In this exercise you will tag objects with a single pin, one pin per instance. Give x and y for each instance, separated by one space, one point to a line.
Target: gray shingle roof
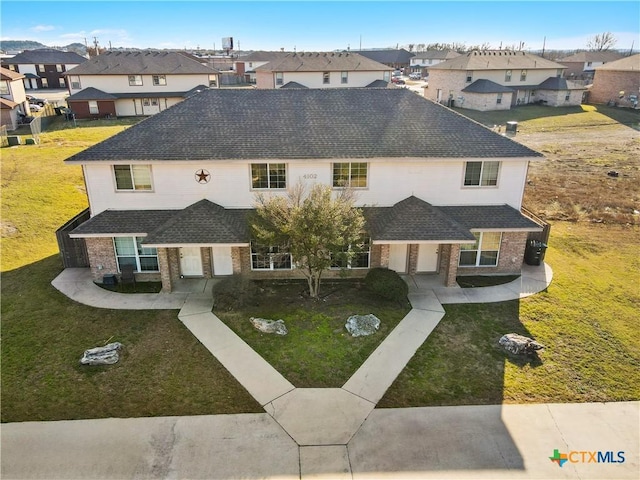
262 56
414 220
486 86
293 85
378 84
626 64
558 83
123 222
304 124
46 56
436 55
489 217
387 56
581 57
496 60
322 62
204 222
92 93
141 63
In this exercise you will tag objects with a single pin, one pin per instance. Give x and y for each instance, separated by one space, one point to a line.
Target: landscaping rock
269 326
362 325
107 355
519 345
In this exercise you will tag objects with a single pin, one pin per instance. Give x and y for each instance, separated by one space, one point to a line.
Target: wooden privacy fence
73 251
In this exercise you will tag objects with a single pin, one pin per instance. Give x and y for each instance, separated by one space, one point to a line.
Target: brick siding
510 257
608 84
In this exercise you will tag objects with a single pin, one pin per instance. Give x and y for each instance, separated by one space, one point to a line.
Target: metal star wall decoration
203 176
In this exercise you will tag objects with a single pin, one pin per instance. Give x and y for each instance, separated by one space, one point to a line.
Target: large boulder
269 326
519 344
107 355
362 325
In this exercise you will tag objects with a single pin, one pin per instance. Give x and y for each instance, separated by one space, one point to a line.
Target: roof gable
322 61
348 123
497 60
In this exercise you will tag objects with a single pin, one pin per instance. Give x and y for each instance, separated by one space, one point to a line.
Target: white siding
315 79
436 181
120 83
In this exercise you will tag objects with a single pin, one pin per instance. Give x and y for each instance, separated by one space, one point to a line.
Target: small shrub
387 284
235 292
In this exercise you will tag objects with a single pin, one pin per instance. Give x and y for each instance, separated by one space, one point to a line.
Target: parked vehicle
397 80
35 107
396 73
37 101
415 76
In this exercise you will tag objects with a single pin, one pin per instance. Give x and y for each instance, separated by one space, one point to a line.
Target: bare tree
601 42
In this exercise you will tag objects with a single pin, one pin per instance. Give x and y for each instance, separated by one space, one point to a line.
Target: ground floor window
93 107
484 253
129 251
353 256
270 257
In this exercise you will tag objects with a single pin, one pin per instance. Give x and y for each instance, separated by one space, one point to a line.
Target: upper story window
75 82
326 78
352 174
41 68
59 68
4 87
268 175
45 82
589 64
132 177
159 80
481 174
523 75
62 82
279 78
559 72
484 253
507 76
135 80
129 251
469 77
13 68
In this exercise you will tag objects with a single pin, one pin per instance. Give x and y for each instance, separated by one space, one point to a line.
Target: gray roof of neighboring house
486 86
626 64
322 62
490 217
293 85
437 55
92 93
496 60
387 56
141 63
345 123
581 57
262 56
378 84
415 220
46 56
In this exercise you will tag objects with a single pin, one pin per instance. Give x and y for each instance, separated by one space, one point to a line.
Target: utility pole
544 43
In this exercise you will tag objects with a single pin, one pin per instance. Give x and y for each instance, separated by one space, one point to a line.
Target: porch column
165 269
450 263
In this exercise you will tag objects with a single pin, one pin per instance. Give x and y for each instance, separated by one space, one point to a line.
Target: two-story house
43 68
171 195
322 70
421 62
245 66
13 99
582 65
617 83
135 83
499 80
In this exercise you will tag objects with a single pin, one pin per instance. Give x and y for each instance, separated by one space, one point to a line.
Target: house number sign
203 176
310 175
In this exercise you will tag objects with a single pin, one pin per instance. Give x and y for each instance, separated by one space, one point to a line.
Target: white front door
398 257
222 263
427 257
190 262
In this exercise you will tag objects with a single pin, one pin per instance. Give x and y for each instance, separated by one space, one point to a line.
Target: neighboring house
499 80
582 65
441 194
13 99
135 83
421 62
617 83
246 65
321 70
43 68
396 59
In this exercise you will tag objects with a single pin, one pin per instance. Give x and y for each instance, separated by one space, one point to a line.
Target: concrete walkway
321 422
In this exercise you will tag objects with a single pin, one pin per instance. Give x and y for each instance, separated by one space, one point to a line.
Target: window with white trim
59 68
268 175
499 99
93 107
352 174
129 251
75 82
344 77
62 83
523 75
135 80
159 80
507 76
483 253
45 82
132 177
279 78
386 76
469 76
481 174
270 257
358 257
4 87
326 78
